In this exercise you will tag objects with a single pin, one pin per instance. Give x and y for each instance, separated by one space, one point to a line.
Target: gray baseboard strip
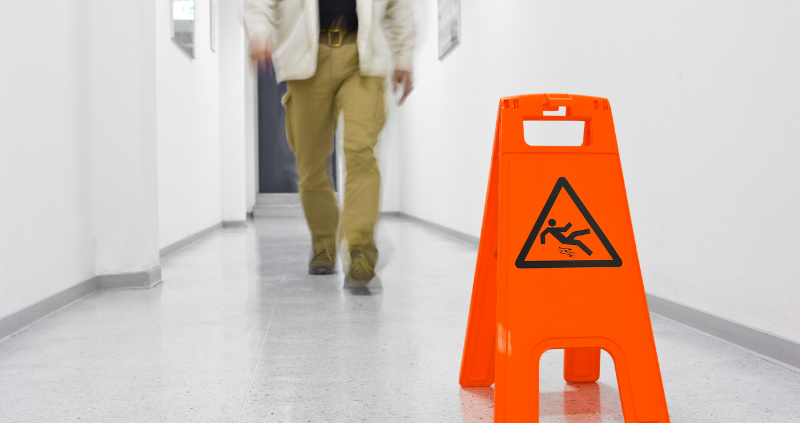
138 280
773 347
234 224
177 245
469 239
777 349
20 320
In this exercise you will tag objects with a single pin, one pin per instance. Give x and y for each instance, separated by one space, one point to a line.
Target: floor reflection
561 402
582 402
477 404
363 288
576 403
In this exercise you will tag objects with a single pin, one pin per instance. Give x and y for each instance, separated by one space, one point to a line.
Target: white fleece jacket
293 26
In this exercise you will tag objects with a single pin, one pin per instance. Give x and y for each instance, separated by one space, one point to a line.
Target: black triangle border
521 263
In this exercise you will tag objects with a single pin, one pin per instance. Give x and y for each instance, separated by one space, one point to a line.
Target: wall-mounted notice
449 25
182 18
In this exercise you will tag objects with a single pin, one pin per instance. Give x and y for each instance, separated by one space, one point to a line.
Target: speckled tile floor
238 332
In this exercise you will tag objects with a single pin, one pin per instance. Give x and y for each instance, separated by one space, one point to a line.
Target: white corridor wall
704 96
109 143
189 193
232 109
46 225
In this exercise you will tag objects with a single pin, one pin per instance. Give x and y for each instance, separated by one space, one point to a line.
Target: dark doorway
276 163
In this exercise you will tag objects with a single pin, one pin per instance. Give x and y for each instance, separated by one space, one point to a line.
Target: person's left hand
403 78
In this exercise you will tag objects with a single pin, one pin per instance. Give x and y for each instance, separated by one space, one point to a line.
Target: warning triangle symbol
566 235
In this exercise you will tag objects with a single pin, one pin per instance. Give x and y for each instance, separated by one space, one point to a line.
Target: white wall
704 101
188 131
251 136
233 132
109 140
77 146
45 152
123 133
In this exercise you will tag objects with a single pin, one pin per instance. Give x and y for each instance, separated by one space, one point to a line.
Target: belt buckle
339 31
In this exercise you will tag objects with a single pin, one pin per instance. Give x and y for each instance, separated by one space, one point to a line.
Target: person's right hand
261 50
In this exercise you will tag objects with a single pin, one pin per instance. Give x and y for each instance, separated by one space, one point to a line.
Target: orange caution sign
557 266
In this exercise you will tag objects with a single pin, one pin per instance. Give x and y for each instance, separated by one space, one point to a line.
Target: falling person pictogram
536 254
558 234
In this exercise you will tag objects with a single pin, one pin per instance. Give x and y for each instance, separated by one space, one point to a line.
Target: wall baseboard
177 245
234 224
781 351
772 347
469 239
18 321
138 280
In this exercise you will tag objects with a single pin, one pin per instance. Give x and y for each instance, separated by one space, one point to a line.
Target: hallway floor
238 332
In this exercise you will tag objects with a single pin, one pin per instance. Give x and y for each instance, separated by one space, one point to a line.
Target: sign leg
581 365
478 360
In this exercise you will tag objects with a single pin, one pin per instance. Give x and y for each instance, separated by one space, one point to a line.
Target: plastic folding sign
557 266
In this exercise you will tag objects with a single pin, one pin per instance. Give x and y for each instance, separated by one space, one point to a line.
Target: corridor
237 332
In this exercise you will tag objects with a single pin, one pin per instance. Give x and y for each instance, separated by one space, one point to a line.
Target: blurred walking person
335 56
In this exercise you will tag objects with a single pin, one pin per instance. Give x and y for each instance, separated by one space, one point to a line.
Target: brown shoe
323 263
361 268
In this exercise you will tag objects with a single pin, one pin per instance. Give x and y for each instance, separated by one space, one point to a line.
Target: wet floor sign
557 266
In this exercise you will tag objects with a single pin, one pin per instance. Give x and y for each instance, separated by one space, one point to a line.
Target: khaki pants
312 111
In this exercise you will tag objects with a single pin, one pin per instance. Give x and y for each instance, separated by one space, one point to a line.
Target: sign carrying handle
598 133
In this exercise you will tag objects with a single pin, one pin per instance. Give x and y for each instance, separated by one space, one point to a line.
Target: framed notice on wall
449 25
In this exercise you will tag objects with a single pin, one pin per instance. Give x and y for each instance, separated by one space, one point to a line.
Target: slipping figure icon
558 234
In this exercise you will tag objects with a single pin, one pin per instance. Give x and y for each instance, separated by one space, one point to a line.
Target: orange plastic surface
558 268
